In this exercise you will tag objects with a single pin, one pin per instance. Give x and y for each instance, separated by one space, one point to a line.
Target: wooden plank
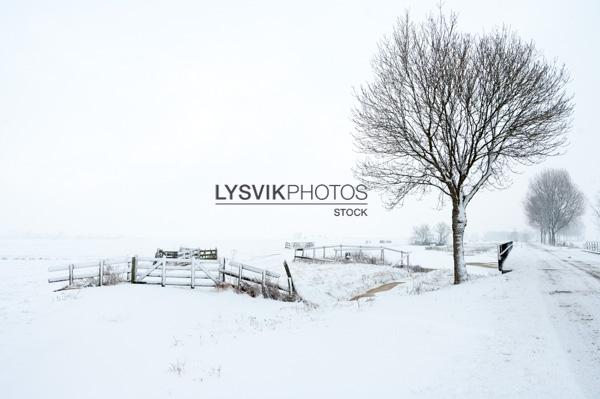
181 273
206 283
253 280
316 260
59 279
76 276
158 279
174 260
81 265
254 269
88 264
187 268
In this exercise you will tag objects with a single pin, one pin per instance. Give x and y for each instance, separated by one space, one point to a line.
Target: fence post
264 282
323 252
498 251
164 270
101 273
291 287
382 256
407 259
222 273
193 271
239 283
133 270
71 274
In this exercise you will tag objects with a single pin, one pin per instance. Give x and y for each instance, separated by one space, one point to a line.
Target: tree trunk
459 222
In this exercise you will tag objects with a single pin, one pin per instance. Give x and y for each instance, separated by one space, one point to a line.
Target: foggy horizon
119 120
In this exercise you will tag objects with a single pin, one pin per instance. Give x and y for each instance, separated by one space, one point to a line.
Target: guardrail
503 251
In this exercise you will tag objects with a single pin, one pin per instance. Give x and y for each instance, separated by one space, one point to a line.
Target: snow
329 283
501 336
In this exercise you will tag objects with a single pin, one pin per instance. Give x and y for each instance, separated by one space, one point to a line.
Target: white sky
118 118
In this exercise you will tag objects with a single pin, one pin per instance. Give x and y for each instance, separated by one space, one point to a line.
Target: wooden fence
592 246
171 271
188 253
336 253
175 271
92 272
237 273
299 244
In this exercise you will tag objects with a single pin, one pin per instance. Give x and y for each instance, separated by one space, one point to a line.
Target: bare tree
455 112
442 231
422 235
553 203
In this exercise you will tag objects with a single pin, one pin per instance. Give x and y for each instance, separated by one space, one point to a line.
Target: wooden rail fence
96 272
175 271
592 246
171 271
334 253
188 253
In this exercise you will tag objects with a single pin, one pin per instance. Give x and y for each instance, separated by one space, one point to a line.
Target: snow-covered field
530 333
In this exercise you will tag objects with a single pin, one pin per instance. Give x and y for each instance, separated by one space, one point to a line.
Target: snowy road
571 279
531 333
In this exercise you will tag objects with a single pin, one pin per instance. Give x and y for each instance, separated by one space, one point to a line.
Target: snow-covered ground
530 333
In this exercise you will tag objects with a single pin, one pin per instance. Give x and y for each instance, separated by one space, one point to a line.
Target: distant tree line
424 234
